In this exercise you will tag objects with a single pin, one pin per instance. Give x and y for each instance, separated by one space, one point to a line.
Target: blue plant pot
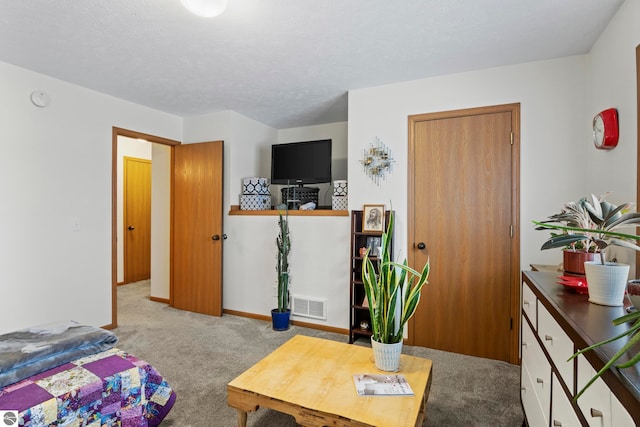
280 321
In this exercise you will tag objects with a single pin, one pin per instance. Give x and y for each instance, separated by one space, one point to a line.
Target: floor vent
309 307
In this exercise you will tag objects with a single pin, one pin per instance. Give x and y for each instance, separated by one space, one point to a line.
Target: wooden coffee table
312 380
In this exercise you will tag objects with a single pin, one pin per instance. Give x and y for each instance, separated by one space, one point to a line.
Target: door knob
224 237
421 245
131 227
215 237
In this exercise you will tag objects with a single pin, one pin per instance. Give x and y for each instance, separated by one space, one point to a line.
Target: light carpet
198 355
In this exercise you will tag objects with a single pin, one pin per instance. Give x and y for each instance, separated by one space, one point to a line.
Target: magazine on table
382 385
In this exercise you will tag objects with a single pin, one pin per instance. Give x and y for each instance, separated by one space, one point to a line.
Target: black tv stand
296 196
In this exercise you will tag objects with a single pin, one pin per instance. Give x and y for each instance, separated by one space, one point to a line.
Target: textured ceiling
285 63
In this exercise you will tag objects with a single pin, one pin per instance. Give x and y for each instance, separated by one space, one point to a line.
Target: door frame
514 109
115 133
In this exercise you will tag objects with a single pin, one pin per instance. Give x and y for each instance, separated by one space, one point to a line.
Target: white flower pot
386 356
606 283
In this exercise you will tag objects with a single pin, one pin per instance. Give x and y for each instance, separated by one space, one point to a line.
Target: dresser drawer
533 410
562 413
558 345
598 405
529 301
538 369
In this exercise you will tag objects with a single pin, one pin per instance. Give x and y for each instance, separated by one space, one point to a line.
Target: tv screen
299 163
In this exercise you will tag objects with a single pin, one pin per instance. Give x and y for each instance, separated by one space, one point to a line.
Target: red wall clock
605 129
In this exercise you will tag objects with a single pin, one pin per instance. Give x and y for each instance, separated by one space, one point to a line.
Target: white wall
160 221
56 166
612 84
553 102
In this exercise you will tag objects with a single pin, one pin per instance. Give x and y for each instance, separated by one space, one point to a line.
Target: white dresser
556 322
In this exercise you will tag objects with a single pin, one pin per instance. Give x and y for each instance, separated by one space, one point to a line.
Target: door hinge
511 134
511 231
511 323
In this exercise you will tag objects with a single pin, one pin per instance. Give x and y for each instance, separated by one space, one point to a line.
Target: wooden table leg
242 418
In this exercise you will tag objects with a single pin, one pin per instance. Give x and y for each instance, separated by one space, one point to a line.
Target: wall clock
605 129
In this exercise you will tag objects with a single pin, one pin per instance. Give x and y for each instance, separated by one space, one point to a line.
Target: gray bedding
30 351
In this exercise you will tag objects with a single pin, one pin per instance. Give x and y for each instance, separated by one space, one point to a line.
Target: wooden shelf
357 312
235 210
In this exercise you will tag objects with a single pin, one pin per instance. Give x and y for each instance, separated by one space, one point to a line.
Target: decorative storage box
340 187
339 203
252 202
255 186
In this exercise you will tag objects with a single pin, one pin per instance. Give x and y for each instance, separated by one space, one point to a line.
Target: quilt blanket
29 351
107 389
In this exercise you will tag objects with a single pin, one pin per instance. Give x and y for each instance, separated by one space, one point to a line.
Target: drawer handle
525 302
596 413
557 423
523 388
548 338
539 381
524 344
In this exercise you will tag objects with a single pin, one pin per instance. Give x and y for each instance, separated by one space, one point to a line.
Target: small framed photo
373 219
374 244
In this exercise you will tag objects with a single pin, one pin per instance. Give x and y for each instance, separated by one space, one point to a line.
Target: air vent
309 307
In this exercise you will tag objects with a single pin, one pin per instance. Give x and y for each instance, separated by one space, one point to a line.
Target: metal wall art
377 160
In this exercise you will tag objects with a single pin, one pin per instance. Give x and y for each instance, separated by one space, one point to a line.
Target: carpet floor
198 355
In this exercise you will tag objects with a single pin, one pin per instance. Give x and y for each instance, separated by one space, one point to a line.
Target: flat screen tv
299 163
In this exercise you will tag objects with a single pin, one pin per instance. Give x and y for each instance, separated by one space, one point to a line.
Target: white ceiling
285 63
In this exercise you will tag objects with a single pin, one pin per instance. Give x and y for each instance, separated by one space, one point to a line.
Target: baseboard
162 300
295 322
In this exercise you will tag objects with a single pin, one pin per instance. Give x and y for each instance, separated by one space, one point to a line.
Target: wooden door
197 228
463 207
137 219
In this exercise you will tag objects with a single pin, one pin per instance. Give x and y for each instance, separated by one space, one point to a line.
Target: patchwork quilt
107 389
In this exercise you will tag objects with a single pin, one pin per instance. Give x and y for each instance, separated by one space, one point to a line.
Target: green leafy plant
597 231
634 338
392 291
283 242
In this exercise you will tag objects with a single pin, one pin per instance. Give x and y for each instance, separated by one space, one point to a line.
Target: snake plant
634 338
392 290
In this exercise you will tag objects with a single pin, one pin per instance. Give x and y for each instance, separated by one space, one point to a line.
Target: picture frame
373 219
374 244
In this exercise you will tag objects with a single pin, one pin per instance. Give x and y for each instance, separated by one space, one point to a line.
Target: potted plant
575 254
281 315
606 218
600 233
393 292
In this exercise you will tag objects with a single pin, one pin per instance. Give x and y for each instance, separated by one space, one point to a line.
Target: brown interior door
197 228
462 209
137 219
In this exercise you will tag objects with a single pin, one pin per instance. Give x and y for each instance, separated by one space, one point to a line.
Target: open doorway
159 152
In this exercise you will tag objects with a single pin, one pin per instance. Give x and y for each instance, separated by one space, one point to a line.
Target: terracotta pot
573 260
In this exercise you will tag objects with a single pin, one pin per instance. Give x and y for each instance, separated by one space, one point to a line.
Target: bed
73 375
